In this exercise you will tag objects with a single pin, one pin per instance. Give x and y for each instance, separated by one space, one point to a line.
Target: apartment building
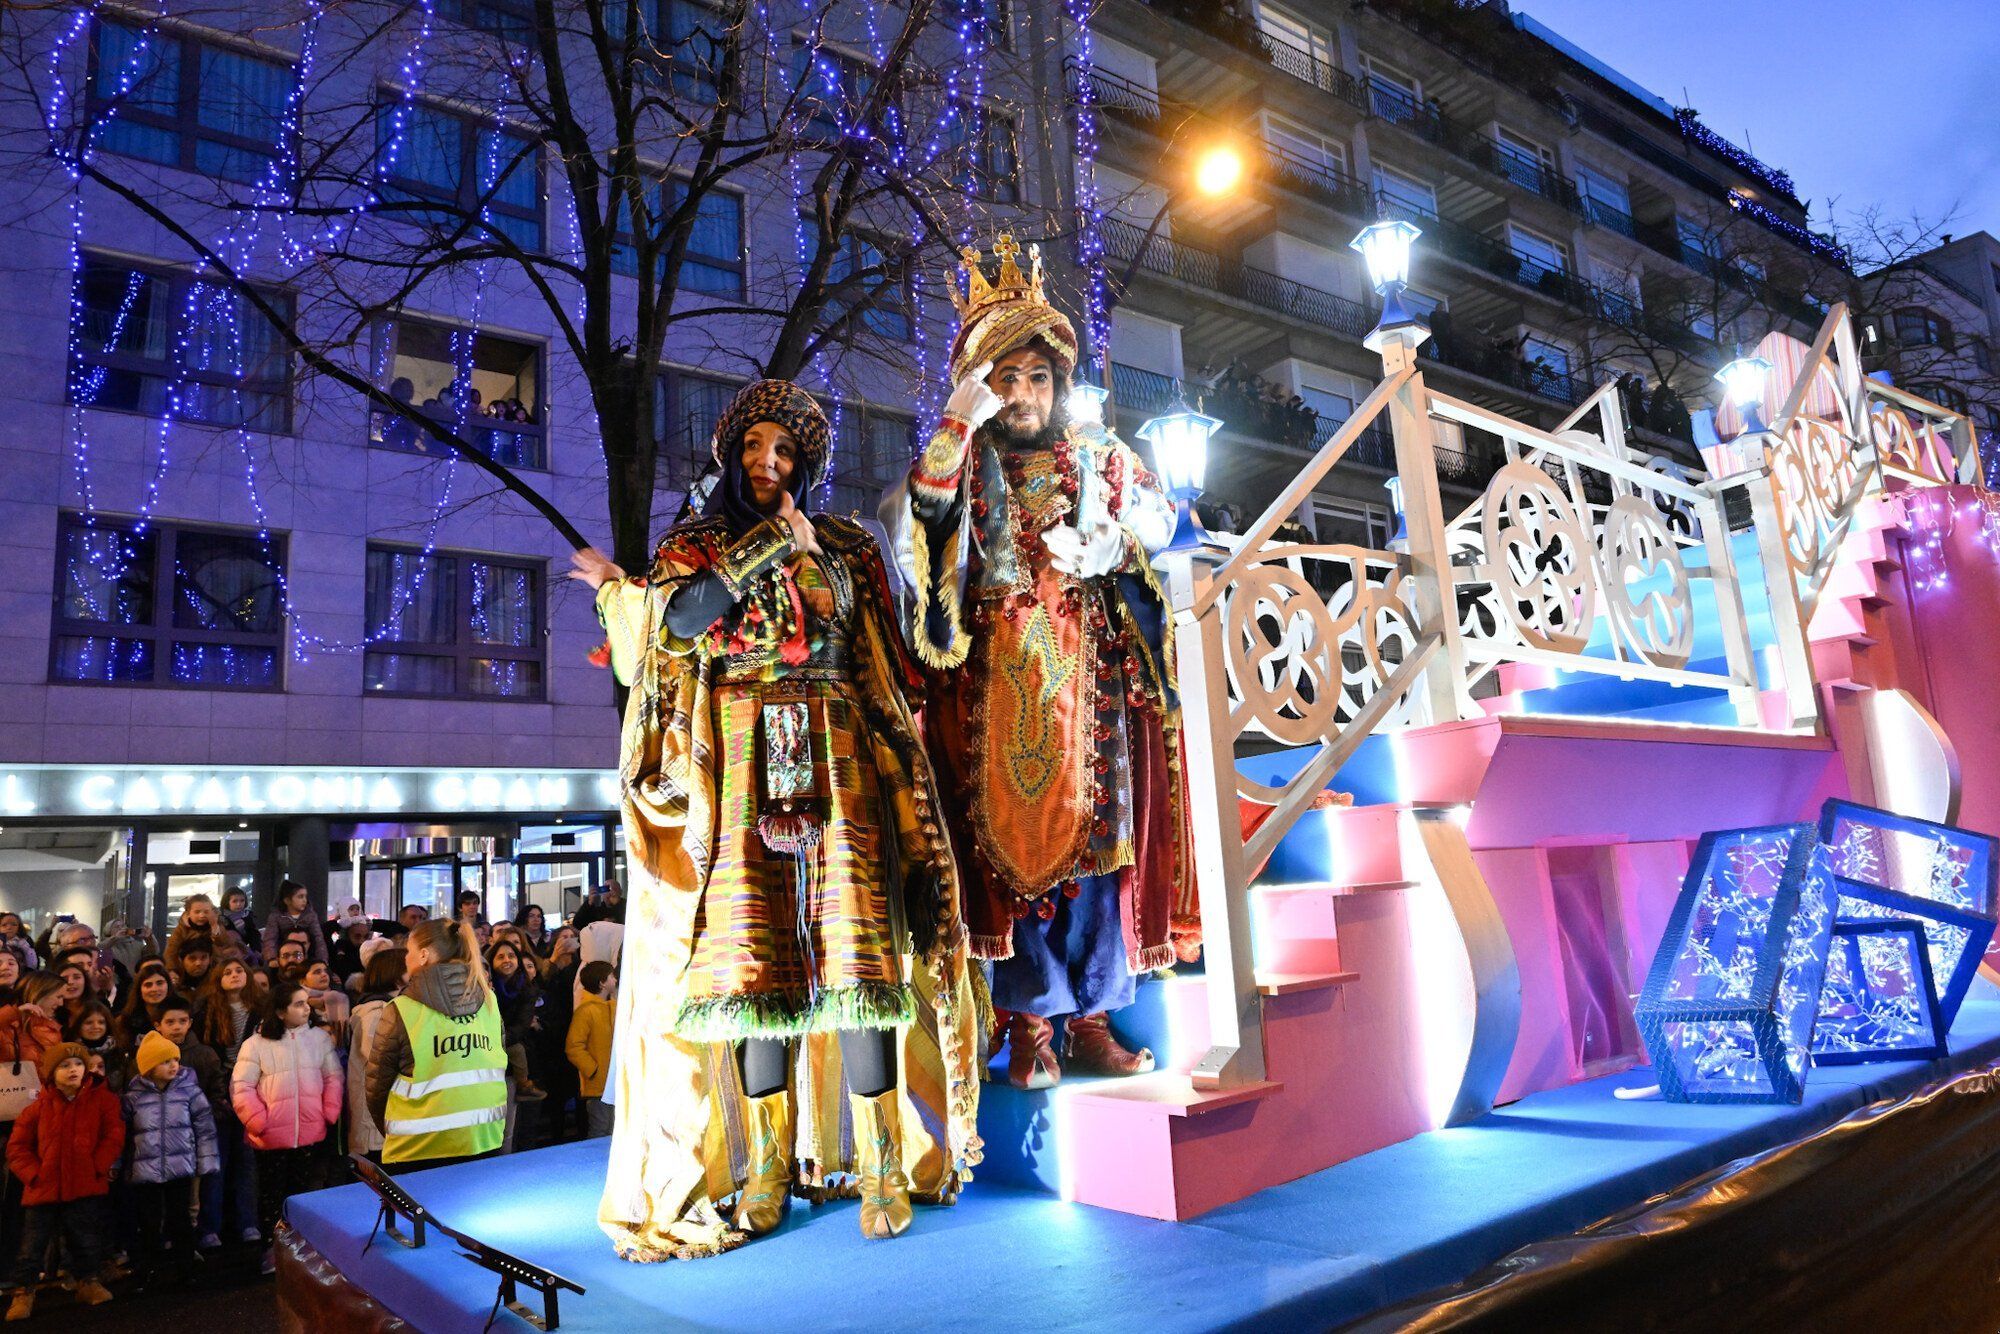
1935 322
1576 228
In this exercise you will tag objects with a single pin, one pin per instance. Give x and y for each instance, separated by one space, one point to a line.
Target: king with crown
1027 538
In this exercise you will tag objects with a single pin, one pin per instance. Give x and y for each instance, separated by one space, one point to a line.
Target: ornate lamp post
1385 248
1179 438
1742 381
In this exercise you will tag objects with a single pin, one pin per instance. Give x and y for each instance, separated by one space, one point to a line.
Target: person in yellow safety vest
437 1070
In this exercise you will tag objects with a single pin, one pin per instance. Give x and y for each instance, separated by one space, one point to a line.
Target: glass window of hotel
985 20
880 286
1918 327
1344 522
684 43
453 623
1299 47
1307 152
512 19
1528 164
1392 94
430 155
835 87
1606 200
687 408
1944 395
155 340
1548 365
166 97
1541 255
1404 196
984 145
871 451
484 386
1981 354
714 263
161 604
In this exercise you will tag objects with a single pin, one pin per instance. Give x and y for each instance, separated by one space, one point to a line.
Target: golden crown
1008 285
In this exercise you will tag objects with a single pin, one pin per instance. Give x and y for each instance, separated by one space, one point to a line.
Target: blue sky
1896 104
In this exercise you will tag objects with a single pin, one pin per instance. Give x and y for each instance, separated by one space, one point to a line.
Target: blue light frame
1847 936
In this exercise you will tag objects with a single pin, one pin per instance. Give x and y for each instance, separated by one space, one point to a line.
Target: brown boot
23 1304
760 1205
1094 1051
92 1293
878 1142
1031 1061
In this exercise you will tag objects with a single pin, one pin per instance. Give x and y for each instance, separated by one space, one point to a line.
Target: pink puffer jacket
287 1091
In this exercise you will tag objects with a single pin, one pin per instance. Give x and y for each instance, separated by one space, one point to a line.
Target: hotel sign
116 791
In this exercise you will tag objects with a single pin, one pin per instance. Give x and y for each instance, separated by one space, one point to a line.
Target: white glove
1085 555
972 402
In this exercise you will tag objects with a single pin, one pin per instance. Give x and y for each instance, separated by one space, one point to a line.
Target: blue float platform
1320 1251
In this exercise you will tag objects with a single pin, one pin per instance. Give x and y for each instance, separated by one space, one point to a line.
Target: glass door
558 885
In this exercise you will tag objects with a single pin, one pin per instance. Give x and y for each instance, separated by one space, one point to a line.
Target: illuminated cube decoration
1728 1008
1878 1002
1891 866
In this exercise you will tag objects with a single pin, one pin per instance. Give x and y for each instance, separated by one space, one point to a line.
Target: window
1350 522
714 262
158 341
453 623
1945 396
1617 291
834 88
985 144
977 18
1392 94
1539 251
1298 47
1404 196
1548 367
1918 327
485 386
1523 161
1606 201
463 165
884 288
1307 152
871 452
1981 353
168 98
159 604
513 20
688 33
688 408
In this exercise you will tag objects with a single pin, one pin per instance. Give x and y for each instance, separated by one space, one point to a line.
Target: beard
1011 439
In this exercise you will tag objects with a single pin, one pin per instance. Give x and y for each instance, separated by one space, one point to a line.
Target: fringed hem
631 1248
771 1015
991 947
1151 957
928 653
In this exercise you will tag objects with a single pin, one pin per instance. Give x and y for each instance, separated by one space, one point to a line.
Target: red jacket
63 1149
24 1035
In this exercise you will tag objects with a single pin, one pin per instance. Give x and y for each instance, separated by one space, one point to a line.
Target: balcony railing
1599 213
1138 391
1161 254
1119 96
1307 67
1427 121
1320 178
1214 20
1310 304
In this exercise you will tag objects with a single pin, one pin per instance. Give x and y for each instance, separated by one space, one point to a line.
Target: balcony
1322 179
1428 122
1213 19
1599 213
1117 96
1306 67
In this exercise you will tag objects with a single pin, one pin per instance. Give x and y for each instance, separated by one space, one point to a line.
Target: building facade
1935 317
1576 228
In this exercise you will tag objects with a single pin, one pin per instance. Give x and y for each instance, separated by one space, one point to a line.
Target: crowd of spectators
160 1102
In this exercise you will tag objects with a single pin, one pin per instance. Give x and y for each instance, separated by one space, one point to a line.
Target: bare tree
594 139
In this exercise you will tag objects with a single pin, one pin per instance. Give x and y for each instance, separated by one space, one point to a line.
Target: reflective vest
453 1103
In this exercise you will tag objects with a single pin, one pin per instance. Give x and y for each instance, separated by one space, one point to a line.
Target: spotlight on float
513 1272
1743 381
1385 248
1086 403
394 1202
1179 438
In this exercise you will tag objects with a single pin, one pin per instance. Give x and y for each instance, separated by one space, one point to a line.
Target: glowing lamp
1086 402
1385 248
1742 381
1218 171
1179 438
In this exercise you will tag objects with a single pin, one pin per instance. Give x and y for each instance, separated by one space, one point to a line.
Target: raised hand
971 401
803 537
593 567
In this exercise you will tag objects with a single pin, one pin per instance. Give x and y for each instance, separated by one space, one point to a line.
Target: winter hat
152 1050
373 946
62 1051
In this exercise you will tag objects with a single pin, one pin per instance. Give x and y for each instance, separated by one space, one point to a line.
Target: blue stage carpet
1319 1251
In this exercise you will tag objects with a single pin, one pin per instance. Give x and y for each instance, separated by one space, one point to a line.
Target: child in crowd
63 1150
589 1044
171 1146
205 1064
288 1090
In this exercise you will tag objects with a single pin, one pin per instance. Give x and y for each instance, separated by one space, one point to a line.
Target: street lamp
1743 382
1179 438
1218 170
1385 248
1086 403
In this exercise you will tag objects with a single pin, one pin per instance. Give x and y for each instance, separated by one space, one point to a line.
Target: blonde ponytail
451 940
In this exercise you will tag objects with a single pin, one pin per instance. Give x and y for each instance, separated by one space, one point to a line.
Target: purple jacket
170 1132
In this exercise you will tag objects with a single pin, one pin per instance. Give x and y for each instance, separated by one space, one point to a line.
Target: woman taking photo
287 1091
294 913
437 1065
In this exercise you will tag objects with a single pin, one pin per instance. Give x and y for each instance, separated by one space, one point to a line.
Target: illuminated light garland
1097 318
1823 246
1742 159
